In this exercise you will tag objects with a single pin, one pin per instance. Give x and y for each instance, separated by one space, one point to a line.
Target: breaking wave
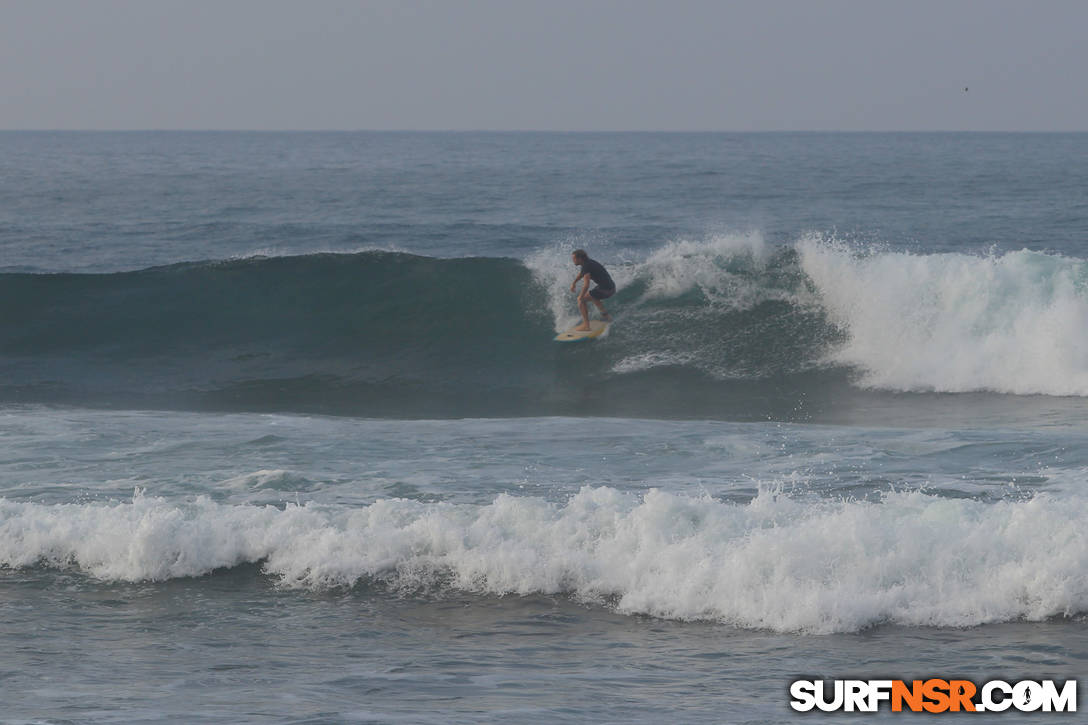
773 563
699 324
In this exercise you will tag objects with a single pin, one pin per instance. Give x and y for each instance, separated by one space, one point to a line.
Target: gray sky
551 65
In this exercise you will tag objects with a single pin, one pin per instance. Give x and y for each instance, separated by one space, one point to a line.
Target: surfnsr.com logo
933 695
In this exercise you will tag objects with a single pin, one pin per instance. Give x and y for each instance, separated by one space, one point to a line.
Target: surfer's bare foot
583 328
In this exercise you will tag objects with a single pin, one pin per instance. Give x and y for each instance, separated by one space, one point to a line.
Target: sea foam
777 562
1009 323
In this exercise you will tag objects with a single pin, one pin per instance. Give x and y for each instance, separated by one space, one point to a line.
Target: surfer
591 270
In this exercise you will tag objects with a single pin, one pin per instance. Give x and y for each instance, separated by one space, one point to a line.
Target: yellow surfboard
596 329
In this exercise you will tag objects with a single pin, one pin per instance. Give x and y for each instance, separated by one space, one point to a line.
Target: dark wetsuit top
598 274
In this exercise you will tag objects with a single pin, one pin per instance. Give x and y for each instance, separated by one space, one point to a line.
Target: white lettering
803 693
879 690
1064 701
992 705
856 696
1027 696
822 701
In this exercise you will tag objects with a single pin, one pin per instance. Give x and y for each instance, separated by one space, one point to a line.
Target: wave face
774 563
287 332
382 333
726 326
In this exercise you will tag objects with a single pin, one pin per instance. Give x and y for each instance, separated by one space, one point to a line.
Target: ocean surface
285 438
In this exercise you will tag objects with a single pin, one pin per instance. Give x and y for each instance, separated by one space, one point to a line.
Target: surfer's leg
597 294
604 313
584 309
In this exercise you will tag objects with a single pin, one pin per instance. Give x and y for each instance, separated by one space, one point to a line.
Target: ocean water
284 436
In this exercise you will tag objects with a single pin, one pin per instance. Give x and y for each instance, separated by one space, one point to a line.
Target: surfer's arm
585 288
580 275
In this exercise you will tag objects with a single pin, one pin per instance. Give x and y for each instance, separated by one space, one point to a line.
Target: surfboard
596 329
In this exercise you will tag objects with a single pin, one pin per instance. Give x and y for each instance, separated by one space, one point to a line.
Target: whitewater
838 567
284 437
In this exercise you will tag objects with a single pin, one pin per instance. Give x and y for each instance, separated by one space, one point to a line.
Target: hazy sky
554 64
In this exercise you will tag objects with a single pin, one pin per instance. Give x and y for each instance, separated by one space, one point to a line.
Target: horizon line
535 130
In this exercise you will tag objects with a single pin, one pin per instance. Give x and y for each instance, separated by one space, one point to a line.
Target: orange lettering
937 692
911 695
961 693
